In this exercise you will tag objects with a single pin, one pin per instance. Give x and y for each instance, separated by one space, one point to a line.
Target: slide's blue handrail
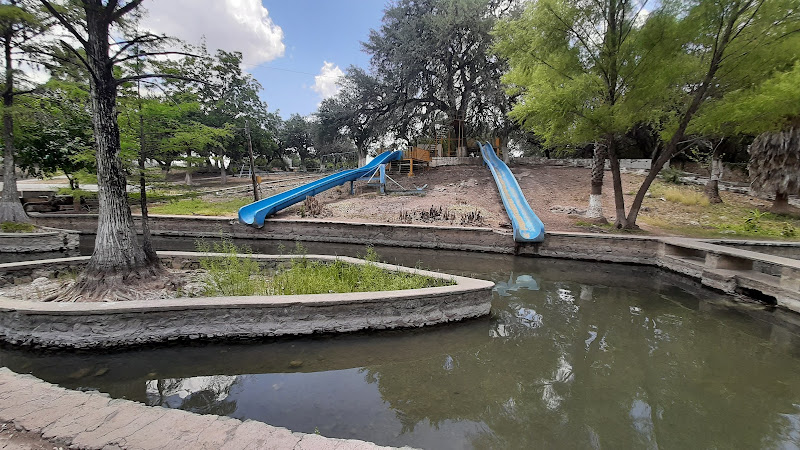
256 213
527 226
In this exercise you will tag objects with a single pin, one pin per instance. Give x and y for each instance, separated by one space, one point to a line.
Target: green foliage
17 227
234 273
671 175
788 230
576 85
753 222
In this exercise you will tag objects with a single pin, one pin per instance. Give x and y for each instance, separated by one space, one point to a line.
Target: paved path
81 420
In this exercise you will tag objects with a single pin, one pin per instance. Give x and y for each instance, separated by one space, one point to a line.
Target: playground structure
527 227
256 213
526 224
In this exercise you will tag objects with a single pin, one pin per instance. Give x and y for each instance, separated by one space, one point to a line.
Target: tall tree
724 47
361 111
21 22
119 261
433 60
685 55
296 134
575 65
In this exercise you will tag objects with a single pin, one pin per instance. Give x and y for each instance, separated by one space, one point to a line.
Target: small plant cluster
311 207
233 272
428 215
472 218
16 227
753 221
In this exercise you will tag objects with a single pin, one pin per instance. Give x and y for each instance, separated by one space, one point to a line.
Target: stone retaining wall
762 275
85 325
51 243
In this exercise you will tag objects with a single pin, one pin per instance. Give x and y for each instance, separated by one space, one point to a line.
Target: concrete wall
50 243
85 325
585 246
456 161
627 164
773 276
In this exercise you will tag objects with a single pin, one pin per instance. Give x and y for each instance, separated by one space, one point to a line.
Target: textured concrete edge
113 324
83 420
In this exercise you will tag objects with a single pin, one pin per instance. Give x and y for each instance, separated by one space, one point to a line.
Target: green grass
686 197
199 207
16 227
232 274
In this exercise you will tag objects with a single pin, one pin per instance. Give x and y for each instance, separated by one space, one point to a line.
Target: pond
575 354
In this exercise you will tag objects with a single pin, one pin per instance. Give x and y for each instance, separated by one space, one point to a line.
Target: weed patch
686 197
17 227
234 273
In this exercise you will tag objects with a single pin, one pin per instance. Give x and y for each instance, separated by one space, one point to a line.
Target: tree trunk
712 187
223 174
362 157
188 168
118 262
595 211
147 242
619 201
781 204
11 209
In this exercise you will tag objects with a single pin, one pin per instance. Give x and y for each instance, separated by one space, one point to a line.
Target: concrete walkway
81 420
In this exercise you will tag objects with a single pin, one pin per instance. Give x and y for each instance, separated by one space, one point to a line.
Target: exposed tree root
93 286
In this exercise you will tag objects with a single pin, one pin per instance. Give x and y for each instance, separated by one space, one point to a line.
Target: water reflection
572 356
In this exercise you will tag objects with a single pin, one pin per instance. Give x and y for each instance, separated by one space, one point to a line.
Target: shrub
671 175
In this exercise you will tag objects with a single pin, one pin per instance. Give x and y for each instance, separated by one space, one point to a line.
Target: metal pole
256 197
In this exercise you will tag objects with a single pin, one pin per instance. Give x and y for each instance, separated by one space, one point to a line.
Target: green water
574 355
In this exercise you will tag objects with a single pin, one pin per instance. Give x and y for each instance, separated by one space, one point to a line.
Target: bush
670 175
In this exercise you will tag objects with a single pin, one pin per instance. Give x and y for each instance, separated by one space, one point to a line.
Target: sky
296 49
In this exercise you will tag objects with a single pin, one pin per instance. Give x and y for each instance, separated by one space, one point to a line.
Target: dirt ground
461 190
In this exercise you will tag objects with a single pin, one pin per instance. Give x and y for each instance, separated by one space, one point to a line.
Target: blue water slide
527 226
255 213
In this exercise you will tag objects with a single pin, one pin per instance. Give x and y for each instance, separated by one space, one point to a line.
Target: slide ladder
256 213
527 226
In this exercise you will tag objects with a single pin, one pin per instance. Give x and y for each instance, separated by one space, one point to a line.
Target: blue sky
314 32
286 44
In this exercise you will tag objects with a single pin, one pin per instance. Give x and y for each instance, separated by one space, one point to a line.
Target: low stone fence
43 244
767 274
84 325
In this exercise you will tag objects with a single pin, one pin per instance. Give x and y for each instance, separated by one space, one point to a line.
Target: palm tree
775 165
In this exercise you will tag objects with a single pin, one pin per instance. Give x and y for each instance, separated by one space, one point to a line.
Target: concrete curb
733 270
113 324
82 420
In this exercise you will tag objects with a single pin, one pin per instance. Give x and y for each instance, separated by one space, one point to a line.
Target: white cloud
325 82
242 25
